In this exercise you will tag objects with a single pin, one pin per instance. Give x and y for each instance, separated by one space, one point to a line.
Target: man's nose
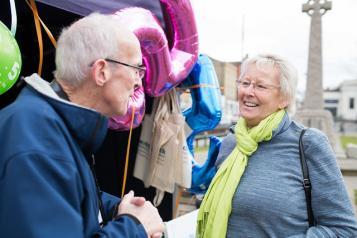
138 81
136 86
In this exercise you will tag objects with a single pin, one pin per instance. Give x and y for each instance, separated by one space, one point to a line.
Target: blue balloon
202 175
205 113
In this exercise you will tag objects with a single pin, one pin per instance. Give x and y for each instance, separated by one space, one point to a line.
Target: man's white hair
85 41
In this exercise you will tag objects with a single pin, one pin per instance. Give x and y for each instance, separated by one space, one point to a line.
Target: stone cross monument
312 113
314 90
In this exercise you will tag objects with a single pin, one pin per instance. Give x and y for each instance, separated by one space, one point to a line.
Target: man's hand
138 201
144 211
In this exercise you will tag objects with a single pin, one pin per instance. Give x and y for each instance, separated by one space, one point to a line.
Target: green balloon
10 59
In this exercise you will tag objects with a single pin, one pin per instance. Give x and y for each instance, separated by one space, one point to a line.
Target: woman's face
259 93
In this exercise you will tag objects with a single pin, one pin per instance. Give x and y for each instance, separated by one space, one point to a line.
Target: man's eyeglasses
260 87
139 70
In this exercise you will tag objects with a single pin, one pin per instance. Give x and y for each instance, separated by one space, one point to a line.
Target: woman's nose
250 88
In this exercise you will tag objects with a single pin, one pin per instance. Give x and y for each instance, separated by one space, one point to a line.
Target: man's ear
100 72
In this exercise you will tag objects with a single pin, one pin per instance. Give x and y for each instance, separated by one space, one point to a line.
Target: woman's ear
283 103
100 72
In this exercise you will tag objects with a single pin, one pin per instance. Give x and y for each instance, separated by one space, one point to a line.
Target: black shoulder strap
306 181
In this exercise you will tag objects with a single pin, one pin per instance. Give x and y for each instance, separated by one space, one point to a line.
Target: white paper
183 226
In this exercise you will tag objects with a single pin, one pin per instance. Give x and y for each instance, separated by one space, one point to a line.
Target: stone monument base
322 120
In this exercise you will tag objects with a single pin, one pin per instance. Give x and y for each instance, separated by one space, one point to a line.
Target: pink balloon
182 22
137 102
165 68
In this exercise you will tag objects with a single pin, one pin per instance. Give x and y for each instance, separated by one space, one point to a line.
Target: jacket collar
284 125
87 126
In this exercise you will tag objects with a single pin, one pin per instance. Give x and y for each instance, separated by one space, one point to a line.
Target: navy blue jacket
46 185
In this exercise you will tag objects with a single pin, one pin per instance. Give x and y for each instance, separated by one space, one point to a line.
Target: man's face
123 79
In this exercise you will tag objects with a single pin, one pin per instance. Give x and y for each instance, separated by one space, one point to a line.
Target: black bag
306 180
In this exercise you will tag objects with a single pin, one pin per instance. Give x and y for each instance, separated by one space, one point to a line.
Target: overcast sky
279 26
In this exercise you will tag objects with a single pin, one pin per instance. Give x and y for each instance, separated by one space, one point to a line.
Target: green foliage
348 140
201 149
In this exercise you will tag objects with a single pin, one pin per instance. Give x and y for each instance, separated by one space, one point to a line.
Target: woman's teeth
250 104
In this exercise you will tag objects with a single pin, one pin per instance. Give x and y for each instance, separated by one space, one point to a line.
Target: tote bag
163 159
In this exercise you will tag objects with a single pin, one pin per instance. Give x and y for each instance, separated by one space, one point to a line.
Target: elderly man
49 134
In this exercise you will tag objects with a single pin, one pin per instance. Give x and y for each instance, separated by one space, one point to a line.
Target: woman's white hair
288 76
81 44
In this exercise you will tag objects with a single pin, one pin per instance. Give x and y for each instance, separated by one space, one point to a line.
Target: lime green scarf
217 204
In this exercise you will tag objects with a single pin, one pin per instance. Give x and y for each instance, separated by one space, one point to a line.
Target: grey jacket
270 199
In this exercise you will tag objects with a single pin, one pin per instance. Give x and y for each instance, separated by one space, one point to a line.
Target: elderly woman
257 191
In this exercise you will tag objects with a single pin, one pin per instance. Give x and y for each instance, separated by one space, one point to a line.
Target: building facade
227 74
342 101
